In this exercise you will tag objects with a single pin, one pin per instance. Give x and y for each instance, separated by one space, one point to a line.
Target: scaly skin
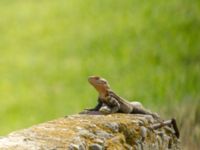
109 102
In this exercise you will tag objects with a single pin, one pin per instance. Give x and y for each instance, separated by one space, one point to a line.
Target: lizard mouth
97 81
91 79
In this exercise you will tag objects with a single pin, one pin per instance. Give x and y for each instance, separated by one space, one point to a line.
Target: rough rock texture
93 132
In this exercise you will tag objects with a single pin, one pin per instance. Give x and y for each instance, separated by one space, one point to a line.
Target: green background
148 51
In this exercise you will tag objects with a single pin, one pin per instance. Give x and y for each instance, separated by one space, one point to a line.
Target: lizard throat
102 92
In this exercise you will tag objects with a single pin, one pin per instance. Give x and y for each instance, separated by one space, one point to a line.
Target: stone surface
95 132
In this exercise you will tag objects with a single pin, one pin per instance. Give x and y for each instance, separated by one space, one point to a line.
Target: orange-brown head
100 84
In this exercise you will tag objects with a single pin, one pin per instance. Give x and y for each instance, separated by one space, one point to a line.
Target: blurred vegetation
148 51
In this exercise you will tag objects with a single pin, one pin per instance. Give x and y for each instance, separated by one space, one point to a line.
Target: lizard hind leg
139 108
137 104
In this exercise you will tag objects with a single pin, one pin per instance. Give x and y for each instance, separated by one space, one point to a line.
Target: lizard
110 102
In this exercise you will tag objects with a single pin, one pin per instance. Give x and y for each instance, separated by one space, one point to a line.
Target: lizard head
100 84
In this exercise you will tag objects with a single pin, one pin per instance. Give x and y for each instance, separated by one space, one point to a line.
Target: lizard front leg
105 109
110 105
97 107
93 110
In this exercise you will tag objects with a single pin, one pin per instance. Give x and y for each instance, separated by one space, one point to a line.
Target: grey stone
99 141
143 132
113 126
95 147
86 133
73 147
103 134
76 147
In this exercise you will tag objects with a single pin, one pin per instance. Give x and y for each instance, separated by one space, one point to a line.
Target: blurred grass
149 51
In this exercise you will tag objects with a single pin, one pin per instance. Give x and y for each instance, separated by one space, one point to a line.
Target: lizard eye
97 78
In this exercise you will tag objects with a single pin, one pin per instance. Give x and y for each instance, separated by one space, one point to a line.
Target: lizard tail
142 111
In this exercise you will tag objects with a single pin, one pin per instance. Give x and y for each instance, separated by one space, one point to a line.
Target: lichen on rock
93 132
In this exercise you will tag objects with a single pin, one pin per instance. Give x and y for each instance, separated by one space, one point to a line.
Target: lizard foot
105 110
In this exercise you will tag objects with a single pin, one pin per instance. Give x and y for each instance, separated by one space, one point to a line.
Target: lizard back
125 106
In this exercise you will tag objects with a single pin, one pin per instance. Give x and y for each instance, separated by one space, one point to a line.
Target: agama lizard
110 102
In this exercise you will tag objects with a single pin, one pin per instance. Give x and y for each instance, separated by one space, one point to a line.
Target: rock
95 147
95 132
73 147
99 141
113 126
143 132
77 144
103 134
